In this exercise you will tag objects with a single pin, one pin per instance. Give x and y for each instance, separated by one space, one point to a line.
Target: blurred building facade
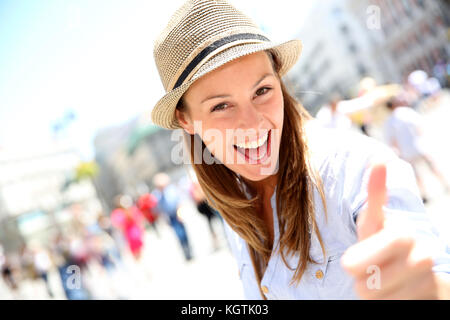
37 191
413 34
341 45
130 155
335 55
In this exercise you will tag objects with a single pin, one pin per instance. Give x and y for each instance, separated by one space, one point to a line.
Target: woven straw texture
194 27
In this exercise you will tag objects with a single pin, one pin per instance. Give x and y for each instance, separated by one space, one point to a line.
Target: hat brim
163 113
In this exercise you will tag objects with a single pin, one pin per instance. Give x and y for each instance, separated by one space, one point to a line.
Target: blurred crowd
105 245
397 112
99 247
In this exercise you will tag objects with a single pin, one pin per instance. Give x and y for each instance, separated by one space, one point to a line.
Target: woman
289 191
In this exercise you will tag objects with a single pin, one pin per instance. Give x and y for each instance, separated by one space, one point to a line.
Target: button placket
318 271
264 289
273 261
319 274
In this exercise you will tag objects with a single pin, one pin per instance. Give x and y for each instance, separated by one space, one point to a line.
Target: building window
438 21
421 3
362 70
344 29
337 11
352 47
433 28
407 7
305 69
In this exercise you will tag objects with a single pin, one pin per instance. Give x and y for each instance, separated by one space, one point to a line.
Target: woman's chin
256 172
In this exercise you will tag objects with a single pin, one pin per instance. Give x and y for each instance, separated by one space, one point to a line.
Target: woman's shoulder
342 149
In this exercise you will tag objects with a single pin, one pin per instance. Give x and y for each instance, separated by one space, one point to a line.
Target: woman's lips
256 155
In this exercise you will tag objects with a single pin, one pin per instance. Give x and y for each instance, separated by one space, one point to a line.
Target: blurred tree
86 170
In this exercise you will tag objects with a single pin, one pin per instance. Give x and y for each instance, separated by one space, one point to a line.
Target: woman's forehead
245 69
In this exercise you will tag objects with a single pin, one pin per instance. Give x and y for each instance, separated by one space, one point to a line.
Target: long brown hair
294 201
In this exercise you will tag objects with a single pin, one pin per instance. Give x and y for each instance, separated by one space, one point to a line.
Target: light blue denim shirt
342 159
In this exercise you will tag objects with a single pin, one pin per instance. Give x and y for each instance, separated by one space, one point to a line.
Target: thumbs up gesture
372 220
383 263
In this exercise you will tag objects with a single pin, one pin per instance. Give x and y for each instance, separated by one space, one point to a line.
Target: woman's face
237 110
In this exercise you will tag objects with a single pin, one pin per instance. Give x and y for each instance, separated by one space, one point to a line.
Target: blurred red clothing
130 221
147 204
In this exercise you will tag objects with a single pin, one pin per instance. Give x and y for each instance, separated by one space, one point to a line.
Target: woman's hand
385 264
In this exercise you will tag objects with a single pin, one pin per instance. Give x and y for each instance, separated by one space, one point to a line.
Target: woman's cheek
215 141
274 112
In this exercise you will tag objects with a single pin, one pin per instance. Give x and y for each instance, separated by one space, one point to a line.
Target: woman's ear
184 121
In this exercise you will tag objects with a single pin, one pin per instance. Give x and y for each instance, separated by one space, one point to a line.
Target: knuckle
425 263
403 242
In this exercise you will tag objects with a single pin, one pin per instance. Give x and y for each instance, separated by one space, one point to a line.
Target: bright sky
95 58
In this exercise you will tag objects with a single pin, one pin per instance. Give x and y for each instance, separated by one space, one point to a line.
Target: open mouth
255 152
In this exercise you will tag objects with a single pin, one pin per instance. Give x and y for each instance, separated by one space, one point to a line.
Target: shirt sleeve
388 131
404 208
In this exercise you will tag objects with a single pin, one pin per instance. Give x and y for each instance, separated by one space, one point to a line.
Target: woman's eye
262 91
219 107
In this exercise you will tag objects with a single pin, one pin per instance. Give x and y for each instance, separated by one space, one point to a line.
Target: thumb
371 220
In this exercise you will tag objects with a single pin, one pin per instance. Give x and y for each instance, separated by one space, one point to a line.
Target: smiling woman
290 192
250 104
256 104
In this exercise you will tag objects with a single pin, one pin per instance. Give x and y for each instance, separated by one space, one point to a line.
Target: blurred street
99 202
162 272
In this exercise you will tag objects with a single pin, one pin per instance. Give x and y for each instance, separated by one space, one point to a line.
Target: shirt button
319 274
265 290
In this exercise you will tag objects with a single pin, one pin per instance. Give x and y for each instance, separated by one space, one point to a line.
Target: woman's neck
265 187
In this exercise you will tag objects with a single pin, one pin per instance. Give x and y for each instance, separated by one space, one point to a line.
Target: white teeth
254 144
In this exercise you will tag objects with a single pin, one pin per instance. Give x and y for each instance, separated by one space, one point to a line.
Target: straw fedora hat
200 37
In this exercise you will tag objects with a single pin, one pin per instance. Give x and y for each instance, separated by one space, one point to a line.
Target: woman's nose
250 117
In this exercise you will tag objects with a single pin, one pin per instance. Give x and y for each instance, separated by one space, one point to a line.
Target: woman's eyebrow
262 78
215 97
227 96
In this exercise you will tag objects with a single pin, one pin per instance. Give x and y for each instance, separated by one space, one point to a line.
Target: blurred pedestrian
104 222
418 80
168 203
43 265
434 90
344 113
440 72
128 218
147 203
205 209
404 132
331 117
28 271
2 256
69 257
9 275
